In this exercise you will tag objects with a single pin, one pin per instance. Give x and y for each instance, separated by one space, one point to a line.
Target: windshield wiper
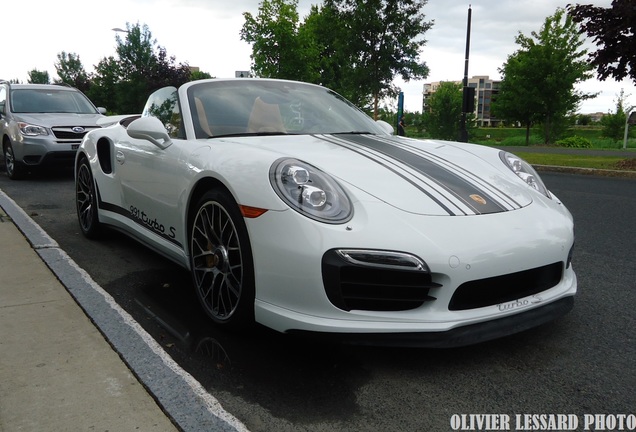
353 133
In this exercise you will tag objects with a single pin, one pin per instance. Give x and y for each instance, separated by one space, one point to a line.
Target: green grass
569 160
516 137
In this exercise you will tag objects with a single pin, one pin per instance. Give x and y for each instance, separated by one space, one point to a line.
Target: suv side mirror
150 129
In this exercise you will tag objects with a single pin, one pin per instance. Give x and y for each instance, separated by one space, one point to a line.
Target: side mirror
101 110
150 129
386 127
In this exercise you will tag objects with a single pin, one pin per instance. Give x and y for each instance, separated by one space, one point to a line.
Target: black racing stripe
122 211
417 186
511 201
451 182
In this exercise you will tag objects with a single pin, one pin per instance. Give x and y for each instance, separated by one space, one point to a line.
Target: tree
324 43
542 75
442 120
583 119
383 39
164 72
519 97
135 52
276 51
141 68
355 47
613 31
196 75
71 71
136 61
103 89
614 124
38 77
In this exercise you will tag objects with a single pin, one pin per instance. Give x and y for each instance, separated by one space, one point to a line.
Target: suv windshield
50 101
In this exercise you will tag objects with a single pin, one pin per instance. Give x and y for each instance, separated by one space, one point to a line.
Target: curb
185 401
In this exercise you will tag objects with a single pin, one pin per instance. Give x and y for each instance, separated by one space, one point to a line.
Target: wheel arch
81 155
6 139
244 315
201 186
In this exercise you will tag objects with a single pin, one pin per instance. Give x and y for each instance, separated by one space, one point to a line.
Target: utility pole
400 113
630 119
466 95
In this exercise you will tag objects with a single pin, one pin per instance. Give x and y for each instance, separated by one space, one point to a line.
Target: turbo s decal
141 217
134 214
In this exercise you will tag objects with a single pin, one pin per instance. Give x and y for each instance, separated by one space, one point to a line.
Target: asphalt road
584 363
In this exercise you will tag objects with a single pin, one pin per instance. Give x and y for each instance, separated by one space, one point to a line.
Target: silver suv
42 124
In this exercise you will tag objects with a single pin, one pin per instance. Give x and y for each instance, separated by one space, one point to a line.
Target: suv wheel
14 169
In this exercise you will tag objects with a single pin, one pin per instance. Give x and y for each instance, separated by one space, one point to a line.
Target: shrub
520 140
574 142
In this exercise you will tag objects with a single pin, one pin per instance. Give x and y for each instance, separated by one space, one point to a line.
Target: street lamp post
463 132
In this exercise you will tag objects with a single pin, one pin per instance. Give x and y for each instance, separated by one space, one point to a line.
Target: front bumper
457 337
59 147
37 151
474 253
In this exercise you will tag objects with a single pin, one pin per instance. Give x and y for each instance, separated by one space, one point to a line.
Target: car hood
59 119
417 176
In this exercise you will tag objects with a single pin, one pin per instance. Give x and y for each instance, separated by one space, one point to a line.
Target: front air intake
375 280
505 288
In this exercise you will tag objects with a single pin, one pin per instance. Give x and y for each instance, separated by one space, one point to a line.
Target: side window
3 98
164 105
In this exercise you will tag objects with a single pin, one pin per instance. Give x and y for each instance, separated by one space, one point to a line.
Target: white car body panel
397 206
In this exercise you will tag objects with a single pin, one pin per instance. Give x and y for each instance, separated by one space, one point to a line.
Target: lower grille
501 289
349 286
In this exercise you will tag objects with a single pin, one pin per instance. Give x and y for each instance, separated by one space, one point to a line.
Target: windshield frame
259 107
50 101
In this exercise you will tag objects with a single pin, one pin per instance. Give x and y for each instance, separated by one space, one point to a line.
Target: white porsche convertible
293 209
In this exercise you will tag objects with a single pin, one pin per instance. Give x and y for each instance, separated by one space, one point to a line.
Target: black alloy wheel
86 200
221 261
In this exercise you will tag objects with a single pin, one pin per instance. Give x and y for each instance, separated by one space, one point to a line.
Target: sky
205 34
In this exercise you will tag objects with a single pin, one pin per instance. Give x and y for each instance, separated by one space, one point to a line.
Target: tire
15 170
86 201
221 261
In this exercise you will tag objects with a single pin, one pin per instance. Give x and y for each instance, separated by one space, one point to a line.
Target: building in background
485 91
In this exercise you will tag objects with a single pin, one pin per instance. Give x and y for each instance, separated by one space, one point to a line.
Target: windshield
50 101
260 107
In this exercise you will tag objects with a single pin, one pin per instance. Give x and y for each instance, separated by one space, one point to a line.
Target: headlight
524 171
310 191
31 130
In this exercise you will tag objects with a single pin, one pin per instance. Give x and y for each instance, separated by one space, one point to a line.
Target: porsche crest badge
478 199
